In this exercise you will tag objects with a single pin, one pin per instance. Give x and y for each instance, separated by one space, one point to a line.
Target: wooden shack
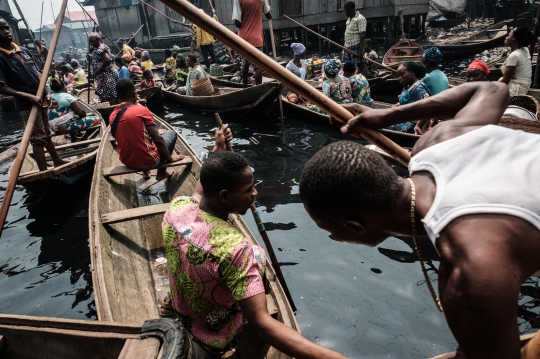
328 17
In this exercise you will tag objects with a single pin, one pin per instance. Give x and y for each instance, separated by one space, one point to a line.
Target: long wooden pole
41 21
17 164
131 38
252 54
264 235
271 28
338 45
24 20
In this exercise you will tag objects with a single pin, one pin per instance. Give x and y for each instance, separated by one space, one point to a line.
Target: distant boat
404 50
488 38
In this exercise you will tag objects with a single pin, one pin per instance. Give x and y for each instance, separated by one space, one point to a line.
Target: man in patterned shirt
355 33
216 274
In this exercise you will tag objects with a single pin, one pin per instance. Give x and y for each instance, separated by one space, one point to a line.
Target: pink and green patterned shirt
211 267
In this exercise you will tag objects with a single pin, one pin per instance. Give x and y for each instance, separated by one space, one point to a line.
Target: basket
216 70
202 87
527 102
520 124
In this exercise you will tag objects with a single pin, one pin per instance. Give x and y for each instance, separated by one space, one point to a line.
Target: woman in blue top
414 89
435 80
66 114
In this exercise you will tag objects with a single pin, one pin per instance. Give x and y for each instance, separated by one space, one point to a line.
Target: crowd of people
470 207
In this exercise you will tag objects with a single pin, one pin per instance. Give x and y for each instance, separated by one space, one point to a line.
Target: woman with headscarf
146 63
414 89
435 80
478 70
517 69
196 72
361 92
335 86
297 65
103 70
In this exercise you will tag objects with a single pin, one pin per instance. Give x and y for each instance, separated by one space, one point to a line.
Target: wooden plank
80 151
134 213
140 349
122 170
74 144
271 306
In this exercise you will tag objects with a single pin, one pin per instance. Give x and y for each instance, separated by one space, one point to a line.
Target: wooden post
329 35
17 164
388 38
408 22
424 19
252 54
535 33
320 40
26 22
41 21
417 24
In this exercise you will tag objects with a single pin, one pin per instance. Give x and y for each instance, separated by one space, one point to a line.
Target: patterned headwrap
180 57
298 48
480 66
176 48
145 55
433 55
332 67
349 66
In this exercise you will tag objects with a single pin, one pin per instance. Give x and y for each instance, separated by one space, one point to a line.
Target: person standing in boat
139 143
19 77
126 49
205 42
477 204
435 80
361 93
42 51
355 34
103 70
517 68
410 73
216 275
247 16
196 72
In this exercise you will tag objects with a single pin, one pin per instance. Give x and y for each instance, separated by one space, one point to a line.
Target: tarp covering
457 6
433 13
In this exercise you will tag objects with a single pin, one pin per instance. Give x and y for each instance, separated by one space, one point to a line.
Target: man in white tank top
474 192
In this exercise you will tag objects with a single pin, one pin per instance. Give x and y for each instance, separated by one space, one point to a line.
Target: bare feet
60 163
163 174
146 175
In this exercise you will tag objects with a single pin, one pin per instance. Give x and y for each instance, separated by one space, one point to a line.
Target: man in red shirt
139 143
247 16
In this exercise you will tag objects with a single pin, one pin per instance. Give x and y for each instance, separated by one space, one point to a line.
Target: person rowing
472 190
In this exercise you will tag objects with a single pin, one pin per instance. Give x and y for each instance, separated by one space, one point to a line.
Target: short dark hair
345 178
368 42
193 58
222 170
146 73
64 68
350 5
119 60
123 87
417 68
168 52
56 85
523 36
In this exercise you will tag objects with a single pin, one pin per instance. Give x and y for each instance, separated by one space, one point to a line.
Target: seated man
216 276
472 190
139 143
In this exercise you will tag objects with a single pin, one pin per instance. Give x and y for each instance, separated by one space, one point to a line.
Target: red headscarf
480 66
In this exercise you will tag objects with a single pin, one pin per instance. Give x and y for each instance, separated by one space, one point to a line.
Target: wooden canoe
524 340
488 38
230 100
26 337
453 81
303 113
403 50
225 81
126 239
80 154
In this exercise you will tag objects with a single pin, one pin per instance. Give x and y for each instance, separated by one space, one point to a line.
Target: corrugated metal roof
79 16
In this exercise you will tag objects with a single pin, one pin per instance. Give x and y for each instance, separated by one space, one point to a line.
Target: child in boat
216 275
477 204
123 72
140 145
147 80
196 72
170 67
